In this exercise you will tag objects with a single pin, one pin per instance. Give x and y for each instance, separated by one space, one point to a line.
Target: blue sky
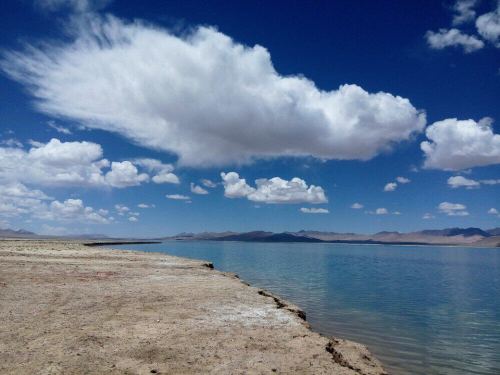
341 116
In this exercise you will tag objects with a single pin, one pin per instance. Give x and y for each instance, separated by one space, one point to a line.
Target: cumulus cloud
464 11
121 209
144 205
460 144
162 172
55 163
428 216
72 209
125 174
197 189
493 211
453 38
16 199
357 206
178 197
306 210
274 190
133 219
453 209
59 163
170 88
488 26
391 186
459 181
381 211
403 180
234 186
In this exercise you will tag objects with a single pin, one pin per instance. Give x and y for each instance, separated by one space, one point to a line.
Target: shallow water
419 309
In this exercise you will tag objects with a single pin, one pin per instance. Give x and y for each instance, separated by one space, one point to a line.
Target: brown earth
70 309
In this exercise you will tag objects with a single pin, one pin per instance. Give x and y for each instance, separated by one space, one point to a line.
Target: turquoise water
420 310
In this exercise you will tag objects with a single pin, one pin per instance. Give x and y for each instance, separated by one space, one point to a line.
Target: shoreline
416 244
72 308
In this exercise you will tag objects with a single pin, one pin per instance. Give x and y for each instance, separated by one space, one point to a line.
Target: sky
151 118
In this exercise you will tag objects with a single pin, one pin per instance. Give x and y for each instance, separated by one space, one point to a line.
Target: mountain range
448 236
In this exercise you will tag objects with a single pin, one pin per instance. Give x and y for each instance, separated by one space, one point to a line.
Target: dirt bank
70 309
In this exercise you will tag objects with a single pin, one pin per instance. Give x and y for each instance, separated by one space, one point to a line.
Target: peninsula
70 308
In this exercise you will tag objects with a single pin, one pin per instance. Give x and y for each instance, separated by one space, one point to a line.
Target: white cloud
381 211
234 186
196 189
58 128
453 38
163 172
460 144
391 186
208 183
174 104
55 163
72 209
306 210
464 11
428 216
79 6
491 182
460 181
165 178
133 219
357 206
125 174
403 180
121 209
488 26
178 197
59 163
453 209
493 211
144 205
16 200
274 190
11 142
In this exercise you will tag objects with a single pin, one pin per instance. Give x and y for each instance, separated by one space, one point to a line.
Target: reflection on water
420 310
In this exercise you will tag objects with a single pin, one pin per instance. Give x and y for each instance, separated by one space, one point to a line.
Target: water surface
419 309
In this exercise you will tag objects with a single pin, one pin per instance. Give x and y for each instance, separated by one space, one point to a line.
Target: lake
419 309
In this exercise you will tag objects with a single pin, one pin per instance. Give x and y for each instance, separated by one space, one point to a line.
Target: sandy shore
70 309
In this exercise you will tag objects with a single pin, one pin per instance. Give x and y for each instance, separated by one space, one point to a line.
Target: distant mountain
259 236
494 231
248 236
448 232
448 236
20 233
